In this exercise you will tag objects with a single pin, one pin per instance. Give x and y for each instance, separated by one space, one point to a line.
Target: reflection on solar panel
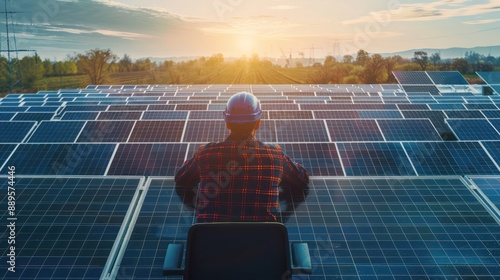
15 132
106 131
412 77
408 130
56 132
319 159
489 187
301 131
60 159
354 130
67 226
374 159
157 131
447 78
450 158
473 129
446 106
148 159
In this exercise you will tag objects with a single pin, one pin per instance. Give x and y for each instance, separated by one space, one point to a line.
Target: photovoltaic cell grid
473 129
60 159
205 131
412 77
491 78
57 132
489 186
148 159
319 159
65 227
301 131
106 131
450 158
374 159
157 131
408 130
354 130
14 132
447 78
355 228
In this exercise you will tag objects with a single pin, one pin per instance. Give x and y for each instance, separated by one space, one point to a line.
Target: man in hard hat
239 178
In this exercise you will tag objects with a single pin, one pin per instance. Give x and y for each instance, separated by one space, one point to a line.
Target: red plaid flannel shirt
239 178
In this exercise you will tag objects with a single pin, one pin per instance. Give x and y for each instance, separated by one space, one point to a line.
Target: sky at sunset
170 28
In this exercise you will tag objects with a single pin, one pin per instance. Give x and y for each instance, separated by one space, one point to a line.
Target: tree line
30 73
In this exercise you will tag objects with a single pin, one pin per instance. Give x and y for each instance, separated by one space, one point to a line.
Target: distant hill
451 52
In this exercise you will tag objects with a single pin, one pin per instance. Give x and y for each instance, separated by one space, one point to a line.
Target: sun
246 44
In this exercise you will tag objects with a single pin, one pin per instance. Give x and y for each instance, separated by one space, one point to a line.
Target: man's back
239 179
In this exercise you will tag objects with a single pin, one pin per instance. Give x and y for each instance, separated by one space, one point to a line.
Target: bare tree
96 64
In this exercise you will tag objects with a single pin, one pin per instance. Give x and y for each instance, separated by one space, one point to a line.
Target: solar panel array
405 176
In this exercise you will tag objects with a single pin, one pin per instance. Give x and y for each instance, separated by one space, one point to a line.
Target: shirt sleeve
294 174
188 174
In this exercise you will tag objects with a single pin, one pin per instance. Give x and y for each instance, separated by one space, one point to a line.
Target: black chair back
237 251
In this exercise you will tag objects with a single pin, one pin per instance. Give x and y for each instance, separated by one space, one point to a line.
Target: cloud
437 10
283 7
484 21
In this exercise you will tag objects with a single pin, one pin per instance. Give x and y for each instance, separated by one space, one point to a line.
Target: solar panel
205 131
157 131
404 107
493 148
319 159
374 159
21 116
447 106
60 159
433 90
489 187
301 115
79 116
492 78
206 115
335 114
464 114
190 107
380 114
158 107
56 132
106 131
354 130
125 115
355 228
65 227
5 151
50 109
450 158
348 107
301 131
447 78
408 130
85 108
128 108
473 129
412 77
165 115
147 159
15 132
491 114
436 117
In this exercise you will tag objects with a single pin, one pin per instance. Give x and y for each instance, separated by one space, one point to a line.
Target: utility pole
9 50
